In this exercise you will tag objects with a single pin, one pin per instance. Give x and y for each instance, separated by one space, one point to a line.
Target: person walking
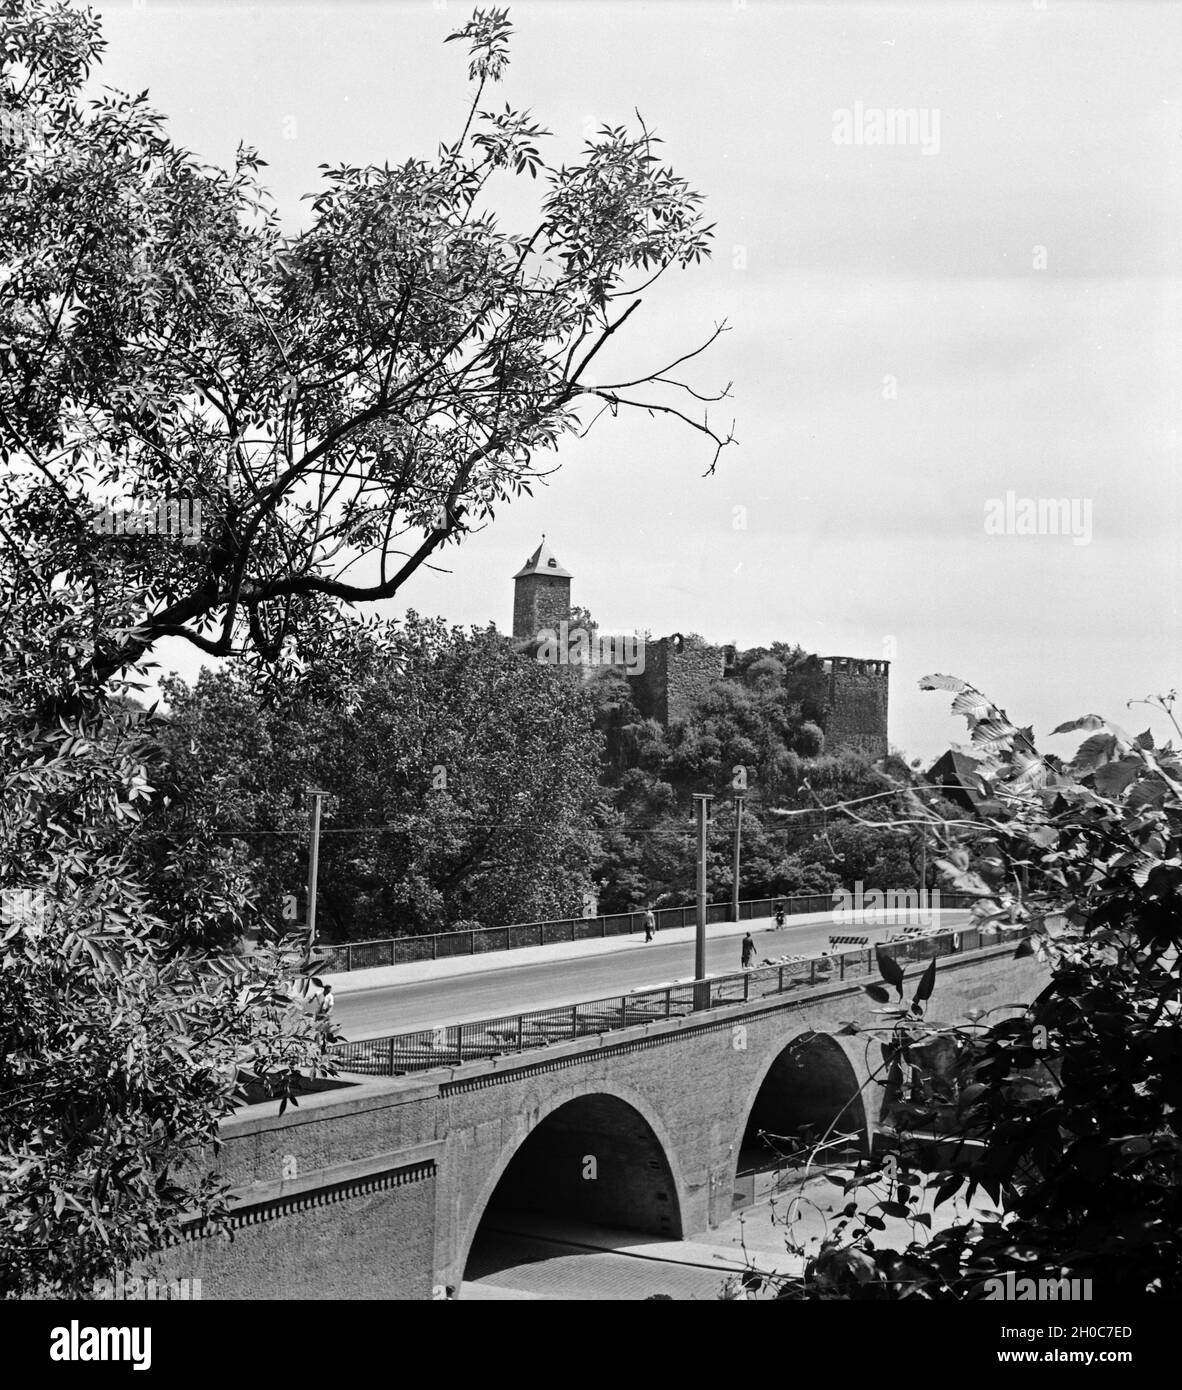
748 951
650 924
779 914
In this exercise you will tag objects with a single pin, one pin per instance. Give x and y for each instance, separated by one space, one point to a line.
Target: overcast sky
916 328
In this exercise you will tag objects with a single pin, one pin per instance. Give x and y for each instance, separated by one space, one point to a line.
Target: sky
985 306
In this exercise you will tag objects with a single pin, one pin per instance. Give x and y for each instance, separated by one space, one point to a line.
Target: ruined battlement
678 673
856 704
849 696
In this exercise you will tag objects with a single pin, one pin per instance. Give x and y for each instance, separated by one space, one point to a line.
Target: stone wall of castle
856 708
678 673
539 602
846 696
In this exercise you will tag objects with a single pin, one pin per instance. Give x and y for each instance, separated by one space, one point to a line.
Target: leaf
973 705
1086 721
878 994
1092 753
889 969
926 984
1113 778
953 683
948 1187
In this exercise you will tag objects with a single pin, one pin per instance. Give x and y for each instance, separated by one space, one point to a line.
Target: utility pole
313 863
702 802
739 799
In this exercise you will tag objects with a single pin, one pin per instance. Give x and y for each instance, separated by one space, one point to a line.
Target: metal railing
430 1049
403 950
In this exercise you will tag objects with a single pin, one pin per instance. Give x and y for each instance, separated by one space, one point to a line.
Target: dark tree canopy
341 403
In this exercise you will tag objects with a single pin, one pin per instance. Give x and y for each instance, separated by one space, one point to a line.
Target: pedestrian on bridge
650 924
748 951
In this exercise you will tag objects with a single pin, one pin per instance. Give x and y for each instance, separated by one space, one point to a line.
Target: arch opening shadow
594 1162
808 1110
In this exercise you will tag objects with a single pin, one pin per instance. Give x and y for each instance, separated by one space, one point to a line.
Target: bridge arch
813 1085
600 1156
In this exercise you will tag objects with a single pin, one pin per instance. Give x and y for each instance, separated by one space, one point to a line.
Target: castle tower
541 594
856 704
678 672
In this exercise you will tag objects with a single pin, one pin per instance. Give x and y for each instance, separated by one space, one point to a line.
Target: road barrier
402 950
429 1049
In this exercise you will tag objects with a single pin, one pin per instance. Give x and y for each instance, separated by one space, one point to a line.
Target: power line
818 817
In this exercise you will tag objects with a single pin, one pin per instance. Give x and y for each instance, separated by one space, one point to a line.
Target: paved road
532 1256
521 1267
516 989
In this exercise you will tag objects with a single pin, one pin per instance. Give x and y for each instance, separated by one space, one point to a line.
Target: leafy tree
462 779
757 722
341 403
120 1047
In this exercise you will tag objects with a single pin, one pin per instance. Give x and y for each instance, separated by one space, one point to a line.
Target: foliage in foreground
120 1047
339 404
1066 1113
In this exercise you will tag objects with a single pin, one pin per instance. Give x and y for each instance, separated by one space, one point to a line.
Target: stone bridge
377 1189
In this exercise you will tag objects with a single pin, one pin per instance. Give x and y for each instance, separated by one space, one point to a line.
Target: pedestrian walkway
531 1256
546 1257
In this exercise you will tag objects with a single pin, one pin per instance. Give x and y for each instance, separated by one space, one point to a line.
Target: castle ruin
846 696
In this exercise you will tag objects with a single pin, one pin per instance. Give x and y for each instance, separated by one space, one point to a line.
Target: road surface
512 989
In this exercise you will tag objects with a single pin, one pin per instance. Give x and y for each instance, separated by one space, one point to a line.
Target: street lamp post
739 799
702 802
313 863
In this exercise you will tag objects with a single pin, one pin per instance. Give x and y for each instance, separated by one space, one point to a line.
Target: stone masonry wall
539 601
856 711
674 680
